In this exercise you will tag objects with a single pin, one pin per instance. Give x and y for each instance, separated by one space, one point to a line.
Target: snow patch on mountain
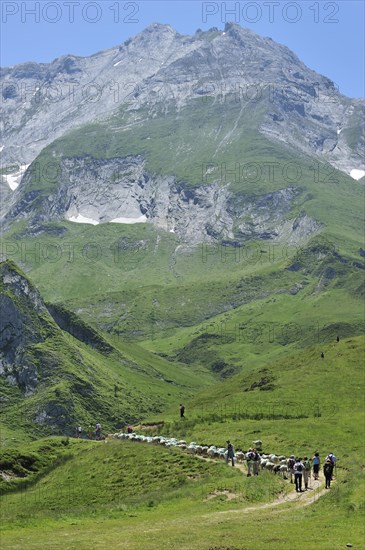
140 219
14 179
357 174
82 219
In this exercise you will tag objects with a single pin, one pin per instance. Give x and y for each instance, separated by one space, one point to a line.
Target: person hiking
256 462
78 432
249 459
298 475
182 411
316 465
230 453
322 355
338 338
333 459
291 462
328 470
97 431
306 472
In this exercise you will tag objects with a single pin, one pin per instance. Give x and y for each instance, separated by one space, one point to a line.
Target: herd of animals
275 463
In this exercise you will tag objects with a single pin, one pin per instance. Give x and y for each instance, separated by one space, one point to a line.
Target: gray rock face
41 102
19 328
103 191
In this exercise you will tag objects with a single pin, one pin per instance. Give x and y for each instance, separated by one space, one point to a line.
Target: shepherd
230 453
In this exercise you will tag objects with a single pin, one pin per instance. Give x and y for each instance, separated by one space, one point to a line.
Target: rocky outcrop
26 323
21 326
122 189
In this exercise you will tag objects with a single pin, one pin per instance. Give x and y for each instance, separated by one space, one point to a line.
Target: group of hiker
93 432
299 469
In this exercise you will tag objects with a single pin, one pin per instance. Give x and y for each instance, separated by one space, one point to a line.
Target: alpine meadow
182 299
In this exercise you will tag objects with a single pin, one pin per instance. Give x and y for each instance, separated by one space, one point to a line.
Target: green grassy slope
133 495
296 403
77 383
236 334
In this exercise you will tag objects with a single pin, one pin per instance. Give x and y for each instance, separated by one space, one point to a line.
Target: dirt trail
306 498
316 490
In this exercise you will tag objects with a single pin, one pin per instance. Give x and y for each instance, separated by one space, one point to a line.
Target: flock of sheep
274 463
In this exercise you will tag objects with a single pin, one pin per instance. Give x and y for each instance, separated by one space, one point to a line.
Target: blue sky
327 36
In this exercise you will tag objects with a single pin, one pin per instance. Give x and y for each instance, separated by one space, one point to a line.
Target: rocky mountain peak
250 80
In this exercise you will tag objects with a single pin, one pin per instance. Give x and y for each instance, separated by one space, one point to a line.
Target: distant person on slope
298 475
322 355
316 465
230 453
182 411
97 431
78 432
328 471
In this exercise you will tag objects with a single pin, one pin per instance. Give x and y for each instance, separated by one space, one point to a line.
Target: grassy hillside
133 495
149 287
298 402
233 332
53 381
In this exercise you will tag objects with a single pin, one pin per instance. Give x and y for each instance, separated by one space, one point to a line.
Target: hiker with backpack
328 471
316 465
182 411
333 459
291 462
230 453
97 431
298 475
249 459
306 472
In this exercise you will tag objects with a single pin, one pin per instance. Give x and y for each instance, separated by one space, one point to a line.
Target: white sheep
283 470
272 462
263 463
240 456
